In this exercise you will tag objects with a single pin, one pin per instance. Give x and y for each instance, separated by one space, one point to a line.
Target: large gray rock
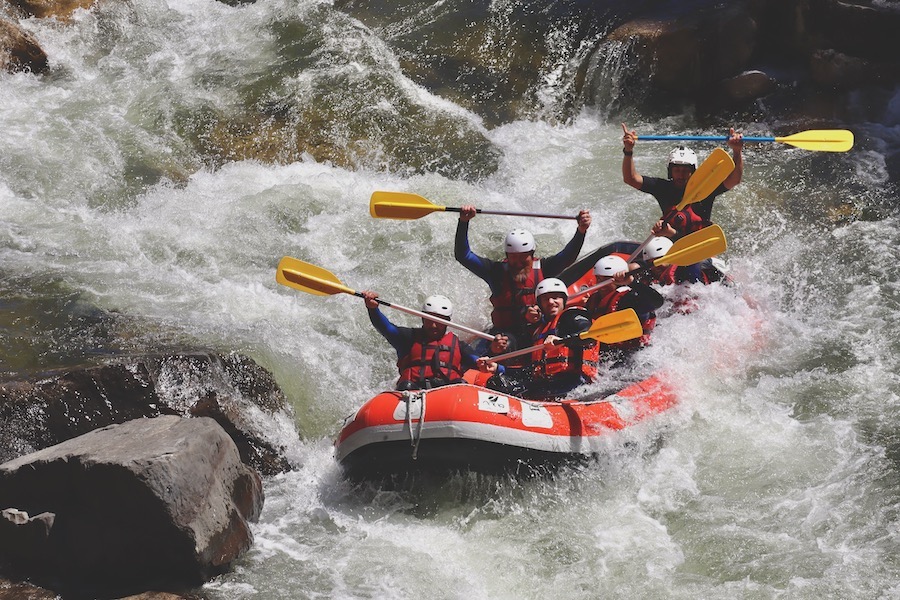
158 503
239 394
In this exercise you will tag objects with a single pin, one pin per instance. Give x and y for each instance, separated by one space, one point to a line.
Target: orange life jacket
437 360
552 360
513 297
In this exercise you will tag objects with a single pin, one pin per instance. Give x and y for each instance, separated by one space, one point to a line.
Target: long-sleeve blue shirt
492 272
402 338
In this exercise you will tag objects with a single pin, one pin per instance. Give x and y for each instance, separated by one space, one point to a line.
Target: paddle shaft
423 315
640 248
661 260
511 214
701 138
530 349
817 140
316 280
589 290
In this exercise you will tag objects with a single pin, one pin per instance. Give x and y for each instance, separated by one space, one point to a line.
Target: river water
775 477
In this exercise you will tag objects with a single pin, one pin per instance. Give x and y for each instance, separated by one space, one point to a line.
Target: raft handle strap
418 439
414 438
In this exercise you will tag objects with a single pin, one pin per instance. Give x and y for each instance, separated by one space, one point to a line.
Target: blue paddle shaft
701 138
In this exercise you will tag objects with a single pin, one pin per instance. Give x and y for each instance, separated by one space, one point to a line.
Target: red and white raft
466 427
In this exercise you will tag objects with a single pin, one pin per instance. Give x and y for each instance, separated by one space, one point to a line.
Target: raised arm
736 143
397 337
482 267
629 173
555 264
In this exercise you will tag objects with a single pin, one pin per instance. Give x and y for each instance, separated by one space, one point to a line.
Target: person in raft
704 272
626 291
668 192
555 370
512 281
428 356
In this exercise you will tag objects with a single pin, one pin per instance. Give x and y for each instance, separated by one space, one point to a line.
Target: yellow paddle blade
309 278
822 140
615 327
400 205
708 176
695 247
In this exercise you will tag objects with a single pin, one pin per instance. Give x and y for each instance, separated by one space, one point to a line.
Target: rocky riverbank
136 475
801 62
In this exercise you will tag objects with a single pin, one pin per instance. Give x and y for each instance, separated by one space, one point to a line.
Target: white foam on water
775 476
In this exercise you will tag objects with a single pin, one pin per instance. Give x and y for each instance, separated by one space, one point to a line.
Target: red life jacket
604 301
686 221
603 304
513 297
667 277
553 360
440 360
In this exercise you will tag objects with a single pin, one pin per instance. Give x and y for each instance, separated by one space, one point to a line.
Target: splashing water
775 477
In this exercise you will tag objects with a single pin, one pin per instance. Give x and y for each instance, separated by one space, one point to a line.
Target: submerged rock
333 92
19 50
232 389
159 503
748 85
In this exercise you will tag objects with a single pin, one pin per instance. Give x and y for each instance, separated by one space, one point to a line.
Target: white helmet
549 286
657 248
519 240
610 265
683 156
438 305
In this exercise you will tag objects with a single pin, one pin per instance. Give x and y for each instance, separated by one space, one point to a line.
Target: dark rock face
17 590
42 9
239 394
823 46
19 51
158 503
28 535
661 54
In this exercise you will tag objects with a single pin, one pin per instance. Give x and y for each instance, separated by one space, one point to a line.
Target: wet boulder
691 54
43 9
499 61
830 68
339 98
232 389
747 86
19 50
867 29
161 503
20 590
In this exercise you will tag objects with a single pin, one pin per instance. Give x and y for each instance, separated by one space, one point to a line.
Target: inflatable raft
467 427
